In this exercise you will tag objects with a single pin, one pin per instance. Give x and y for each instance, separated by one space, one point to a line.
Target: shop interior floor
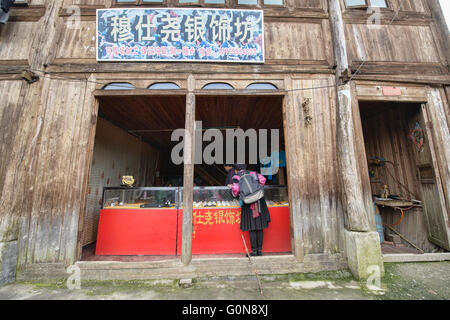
88 254
387 249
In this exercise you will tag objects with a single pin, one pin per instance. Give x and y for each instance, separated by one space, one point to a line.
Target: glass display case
222 197
214 197
140 197
172 197
276 196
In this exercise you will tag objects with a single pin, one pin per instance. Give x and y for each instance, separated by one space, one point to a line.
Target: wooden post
441 135
362 244
90 100
188 180
352 197
293 133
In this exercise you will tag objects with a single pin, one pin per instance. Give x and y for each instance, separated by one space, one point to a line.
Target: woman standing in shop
255 217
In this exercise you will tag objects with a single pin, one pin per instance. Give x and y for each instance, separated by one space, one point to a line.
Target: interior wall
386 135
116 153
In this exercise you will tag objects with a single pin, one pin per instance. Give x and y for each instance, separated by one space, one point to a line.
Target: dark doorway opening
401 168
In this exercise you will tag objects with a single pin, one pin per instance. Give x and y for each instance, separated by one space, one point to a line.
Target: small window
260 2
248 2
262 86
164 86
273 2
138 1
378 3
366 3
218 86
119 86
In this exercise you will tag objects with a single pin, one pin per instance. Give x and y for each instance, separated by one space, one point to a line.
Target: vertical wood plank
188 178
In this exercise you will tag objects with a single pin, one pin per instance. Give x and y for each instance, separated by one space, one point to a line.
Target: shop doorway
133 138
403 177
216 213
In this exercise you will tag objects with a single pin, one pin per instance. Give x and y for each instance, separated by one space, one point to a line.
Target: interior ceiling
370 109
163 114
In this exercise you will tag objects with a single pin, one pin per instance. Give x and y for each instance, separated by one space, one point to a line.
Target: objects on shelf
171 197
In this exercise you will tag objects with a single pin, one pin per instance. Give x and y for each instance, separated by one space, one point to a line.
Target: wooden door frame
97 93
424 96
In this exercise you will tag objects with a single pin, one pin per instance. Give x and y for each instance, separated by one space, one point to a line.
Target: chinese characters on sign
215 217
180 35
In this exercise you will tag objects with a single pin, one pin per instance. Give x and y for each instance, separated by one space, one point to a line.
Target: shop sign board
180 34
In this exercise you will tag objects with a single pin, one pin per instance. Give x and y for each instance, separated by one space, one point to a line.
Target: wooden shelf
393 203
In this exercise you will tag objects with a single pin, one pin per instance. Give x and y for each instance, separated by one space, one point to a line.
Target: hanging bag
250 190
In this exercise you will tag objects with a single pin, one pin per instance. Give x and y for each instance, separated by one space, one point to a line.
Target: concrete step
199 267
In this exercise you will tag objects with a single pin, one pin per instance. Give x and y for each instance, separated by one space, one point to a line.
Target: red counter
137 232
158 231
218 231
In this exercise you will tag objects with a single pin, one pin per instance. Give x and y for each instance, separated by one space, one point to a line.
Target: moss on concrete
401 281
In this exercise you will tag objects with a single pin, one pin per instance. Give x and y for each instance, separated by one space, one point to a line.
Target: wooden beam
240 92
293 134
439 133
356 218
188 179
139 92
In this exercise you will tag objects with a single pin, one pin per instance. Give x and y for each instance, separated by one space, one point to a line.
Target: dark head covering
230 174
240 166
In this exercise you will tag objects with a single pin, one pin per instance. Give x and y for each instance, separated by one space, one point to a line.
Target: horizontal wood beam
240 93
139 92
198 68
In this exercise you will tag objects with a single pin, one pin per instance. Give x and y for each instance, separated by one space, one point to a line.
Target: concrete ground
402 281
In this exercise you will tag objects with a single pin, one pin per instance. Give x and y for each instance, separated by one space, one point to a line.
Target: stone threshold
416 257
174 269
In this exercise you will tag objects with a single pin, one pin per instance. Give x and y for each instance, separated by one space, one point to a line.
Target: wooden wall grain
15 40
314 152
116 153
43 173
11 113
51 231
395 43
286 42
289 41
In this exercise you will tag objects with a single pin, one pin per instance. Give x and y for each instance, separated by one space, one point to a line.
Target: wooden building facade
348 89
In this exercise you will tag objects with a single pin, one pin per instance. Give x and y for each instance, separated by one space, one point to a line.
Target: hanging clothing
229 179
6 4
3 17
4 12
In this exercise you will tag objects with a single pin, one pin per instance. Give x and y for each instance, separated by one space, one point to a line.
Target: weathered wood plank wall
406 41
49 233
314 152
50 123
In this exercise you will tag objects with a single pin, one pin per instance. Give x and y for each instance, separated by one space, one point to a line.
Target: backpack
250 189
